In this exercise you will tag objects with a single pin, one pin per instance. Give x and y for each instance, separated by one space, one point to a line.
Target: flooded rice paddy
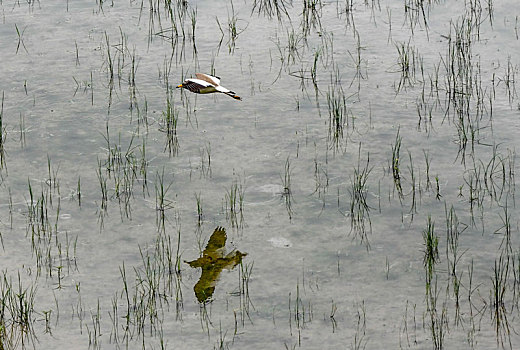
361 195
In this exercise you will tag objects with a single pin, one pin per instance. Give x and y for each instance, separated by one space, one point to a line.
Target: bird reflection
212 263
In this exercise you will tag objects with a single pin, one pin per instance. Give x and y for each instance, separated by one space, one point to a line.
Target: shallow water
322 268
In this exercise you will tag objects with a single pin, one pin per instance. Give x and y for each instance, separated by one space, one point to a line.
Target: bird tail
232 94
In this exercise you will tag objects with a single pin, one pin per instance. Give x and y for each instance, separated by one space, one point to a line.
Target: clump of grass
332 316
41 229
453 229
299 313
20 39
396 170
437 316
168 125
162 203
245 300
359 209
499 312
103 208
338 117
408 61
414 189
17 314
311 16
233 31
321 178
359 341
157 281
431 252
23 130
294 45
234 204
124 168
109 66
466 98
205 161
2 135
404 329
314 73
272 8
357 62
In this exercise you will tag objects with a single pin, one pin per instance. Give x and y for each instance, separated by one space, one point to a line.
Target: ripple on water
280 242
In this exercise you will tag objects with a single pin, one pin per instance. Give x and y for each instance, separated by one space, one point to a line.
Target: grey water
360 123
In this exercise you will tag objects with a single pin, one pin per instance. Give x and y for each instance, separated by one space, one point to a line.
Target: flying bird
212 262
206 84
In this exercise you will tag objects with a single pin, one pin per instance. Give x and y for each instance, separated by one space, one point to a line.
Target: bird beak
179 86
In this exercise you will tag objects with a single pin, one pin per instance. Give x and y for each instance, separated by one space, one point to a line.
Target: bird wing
223 90
208 78
195 85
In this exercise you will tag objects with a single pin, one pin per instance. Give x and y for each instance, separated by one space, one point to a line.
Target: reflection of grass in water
212 262
2 136
287 192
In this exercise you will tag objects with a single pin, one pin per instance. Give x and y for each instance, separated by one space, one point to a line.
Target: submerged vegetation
370 174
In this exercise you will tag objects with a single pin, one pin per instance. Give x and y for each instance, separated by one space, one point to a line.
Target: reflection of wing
206 285
232 259
211 272
209 78
199 262
216 243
